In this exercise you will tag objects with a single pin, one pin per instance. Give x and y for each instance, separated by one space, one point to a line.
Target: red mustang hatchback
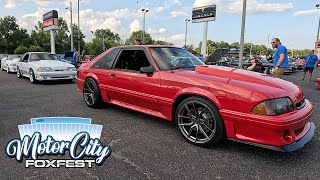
208 103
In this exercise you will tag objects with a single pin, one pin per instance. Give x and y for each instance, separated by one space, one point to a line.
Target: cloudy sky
295 22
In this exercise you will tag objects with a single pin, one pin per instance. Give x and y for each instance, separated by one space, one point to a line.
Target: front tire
32 77
91 94
8 70
199 121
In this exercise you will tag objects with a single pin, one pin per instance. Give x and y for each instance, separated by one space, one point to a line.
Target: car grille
59 70
300 104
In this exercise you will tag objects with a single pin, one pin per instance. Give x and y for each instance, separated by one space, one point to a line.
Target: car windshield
11 57
174 58
56 57
40 56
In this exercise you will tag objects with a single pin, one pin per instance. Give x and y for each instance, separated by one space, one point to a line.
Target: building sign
50 21
204 14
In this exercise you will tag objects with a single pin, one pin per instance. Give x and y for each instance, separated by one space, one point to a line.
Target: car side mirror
147 70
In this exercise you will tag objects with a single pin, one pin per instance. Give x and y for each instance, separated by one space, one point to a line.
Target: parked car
68 57
216 56
9 63
318 82
208 103
40 66
292 66
300 63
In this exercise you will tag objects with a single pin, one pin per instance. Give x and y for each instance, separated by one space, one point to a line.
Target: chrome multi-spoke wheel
91 93
199 121
32 76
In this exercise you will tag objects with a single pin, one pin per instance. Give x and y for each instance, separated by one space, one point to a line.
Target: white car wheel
32 76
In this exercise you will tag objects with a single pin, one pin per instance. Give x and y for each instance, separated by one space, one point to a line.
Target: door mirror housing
147 70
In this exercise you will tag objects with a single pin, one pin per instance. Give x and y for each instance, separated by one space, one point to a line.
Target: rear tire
91 94
199 122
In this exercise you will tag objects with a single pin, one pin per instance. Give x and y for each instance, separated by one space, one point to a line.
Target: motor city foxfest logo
55 136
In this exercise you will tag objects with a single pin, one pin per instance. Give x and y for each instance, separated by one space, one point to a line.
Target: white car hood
54 64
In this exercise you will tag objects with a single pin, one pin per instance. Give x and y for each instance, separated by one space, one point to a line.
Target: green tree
41 38
107 34
34 48
138 35
21 50
159 42
62 40
11 35
75 38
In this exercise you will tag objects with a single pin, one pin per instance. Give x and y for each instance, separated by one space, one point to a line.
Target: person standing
280 58
311 62
75 57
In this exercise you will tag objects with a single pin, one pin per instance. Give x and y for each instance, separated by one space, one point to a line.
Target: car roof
39 52
146 46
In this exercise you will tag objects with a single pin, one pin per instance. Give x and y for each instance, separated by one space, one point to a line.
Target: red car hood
256 82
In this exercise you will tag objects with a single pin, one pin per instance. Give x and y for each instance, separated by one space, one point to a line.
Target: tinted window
132 60
41 56
107 60
174 58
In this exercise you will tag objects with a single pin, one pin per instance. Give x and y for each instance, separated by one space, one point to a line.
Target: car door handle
113 75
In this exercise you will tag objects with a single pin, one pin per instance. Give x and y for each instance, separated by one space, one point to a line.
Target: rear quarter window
107 60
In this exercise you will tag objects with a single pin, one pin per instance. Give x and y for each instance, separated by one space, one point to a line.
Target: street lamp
71 26
79 27
144 11
268 44
185 38
244 9
103 45
316 46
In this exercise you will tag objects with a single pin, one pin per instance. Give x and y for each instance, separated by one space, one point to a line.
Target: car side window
107 60
25 58
132 60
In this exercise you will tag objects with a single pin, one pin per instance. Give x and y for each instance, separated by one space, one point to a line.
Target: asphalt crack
138 168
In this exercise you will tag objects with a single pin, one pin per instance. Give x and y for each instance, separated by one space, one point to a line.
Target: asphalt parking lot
144 147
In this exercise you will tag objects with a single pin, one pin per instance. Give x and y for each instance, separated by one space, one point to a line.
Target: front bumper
57 75
287 148
271 131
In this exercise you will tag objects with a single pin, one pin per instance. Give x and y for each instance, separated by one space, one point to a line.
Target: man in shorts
311 62
280 58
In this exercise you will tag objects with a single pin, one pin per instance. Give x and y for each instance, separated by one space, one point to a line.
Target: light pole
144 11
244 9
71 26
251 49
103 45
268 44
185 37
79 28
316 46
